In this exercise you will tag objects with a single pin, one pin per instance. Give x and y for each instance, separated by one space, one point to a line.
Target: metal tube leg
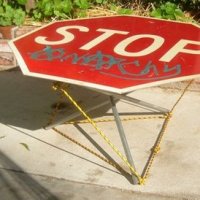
123 137
74 115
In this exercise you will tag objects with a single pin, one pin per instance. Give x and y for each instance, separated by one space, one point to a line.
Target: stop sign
117 54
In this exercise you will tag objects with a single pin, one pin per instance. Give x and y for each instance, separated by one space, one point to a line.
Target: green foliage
59 9
103 2
189 5
168 11
124 11
174 11
21 2
121 11
47 9
10 15
14 11
63 9
82 4
18 17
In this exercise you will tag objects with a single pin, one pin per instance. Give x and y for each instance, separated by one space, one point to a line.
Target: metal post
74 115
138 102
123 137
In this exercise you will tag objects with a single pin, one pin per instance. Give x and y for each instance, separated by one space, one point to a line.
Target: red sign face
117 54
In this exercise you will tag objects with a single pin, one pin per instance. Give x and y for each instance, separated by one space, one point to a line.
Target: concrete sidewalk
47 163
15 185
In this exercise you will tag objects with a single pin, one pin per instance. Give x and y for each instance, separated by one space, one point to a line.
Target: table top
115 54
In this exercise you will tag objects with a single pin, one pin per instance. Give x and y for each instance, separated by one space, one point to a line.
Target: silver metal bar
123 137
136 101
76 114
142 103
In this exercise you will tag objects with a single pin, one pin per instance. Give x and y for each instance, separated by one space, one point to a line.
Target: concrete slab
26 104
42 187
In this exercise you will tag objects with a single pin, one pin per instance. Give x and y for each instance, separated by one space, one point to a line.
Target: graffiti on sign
127 70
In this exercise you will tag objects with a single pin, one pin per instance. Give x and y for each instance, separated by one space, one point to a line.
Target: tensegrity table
113 56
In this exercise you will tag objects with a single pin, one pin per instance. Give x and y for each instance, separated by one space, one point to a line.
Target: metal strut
123 138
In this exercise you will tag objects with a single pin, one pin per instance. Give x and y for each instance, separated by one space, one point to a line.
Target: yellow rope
122 119
188 85
88 149
140 180
156 147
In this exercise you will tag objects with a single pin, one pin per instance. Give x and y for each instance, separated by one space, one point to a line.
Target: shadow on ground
25 101
28 102
16 185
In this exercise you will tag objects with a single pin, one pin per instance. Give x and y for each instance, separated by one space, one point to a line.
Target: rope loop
155 150
106 139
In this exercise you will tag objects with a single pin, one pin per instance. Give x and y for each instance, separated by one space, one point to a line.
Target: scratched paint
103 63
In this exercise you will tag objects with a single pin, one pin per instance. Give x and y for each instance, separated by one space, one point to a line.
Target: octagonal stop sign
116 54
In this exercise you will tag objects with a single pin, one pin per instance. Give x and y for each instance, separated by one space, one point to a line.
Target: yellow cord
115 149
